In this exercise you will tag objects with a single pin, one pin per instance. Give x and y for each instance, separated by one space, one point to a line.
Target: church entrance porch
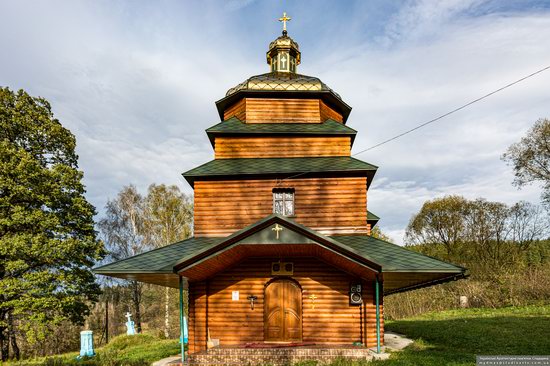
312 306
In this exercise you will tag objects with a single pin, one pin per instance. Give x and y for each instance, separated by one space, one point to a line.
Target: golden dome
281 81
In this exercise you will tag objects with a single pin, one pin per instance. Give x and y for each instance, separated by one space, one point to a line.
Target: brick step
275 357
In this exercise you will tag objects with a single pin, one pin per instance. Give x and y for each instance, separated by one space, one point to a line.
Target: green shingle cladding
235 126
278 166
371 216
394 258
391 257
161 260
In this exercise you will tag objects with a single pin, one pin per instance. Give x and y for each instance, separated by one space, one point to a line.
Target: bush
528 287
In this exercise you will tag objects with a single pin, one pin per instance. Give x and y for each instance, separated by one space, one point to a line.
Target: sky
136 82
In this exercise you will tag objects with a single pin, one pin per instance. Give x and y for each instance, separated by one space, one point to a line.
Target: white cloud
136 83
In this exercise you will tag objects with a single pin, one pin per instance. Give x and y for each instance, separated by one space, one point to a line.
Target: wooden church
282 252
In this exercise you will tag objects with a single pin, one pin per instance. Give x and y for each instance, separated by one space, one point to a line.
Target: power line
439 117
453 111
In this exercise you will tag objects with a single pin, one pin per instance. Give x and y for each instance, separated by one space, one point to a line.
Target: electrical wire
436 118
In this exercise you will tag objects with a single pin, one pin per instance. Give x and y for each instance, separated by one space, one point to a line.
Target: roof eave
192 178
131 271
326 95
212 134
372 222
453 277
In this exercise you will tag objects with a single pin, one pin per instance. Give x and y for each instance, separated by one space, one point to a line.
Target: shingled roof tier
372 218
390 258
234 126
280 167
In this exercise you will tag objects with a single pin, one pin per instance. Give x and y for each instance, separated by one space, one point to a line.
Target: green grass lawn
456 337
138 350
442 338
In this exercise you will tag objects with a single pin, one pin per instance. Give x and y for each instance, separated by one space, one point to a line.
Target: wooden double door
283 311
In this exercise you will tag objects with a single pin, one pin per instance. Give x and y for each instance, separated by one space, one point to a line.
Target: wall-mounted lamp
252 298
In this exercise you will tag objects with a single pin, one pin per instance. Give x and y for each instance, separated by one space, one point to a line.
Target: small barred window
283 201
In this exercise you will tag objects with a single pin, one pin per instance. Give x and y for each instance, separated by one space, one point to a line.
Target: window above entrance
283 201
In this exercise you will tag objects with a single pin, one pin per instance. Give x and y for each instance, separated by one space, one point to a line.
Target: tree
47 239
122 228
528 223
168 219
440 221
487 230
530 158
487 234
377 233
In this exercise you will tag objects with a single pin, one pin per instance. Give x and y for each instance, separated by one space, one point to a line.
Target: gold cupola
283 54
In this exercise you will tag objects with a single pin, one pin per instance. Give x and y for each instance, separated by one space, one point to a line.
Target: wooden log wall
281 147
236 110
329 319
329 113
331 206
272 110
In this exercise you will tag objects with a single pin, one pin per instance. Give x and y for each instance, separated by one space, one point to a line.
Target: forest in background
505 249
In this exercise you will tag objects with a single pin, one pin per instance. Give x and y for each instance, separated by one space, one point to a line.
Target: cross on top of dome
283 54
284 19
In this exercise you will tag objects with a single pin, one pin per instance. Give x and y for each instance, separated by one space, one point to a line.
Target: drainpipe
181 321
377 297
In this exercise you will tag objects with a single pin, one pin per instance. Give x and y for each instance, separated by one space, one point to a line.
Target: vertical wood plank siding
271 110
331 206
278 147
329 319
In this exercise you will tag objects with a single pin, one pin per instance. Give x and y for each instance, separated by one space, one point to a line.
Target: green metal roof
235 126
280 166
395 258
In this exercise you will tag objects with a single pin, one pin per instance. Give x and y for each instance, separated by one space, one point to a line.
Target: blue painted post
185 331
130 329
87 343
183 325
377 297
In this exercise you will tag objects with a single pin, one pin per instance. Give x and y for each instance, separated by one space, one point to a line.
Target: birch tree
122 229
168 219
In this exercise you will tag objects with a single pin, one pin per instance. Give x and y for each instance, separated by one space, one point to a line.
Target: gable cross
277 228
